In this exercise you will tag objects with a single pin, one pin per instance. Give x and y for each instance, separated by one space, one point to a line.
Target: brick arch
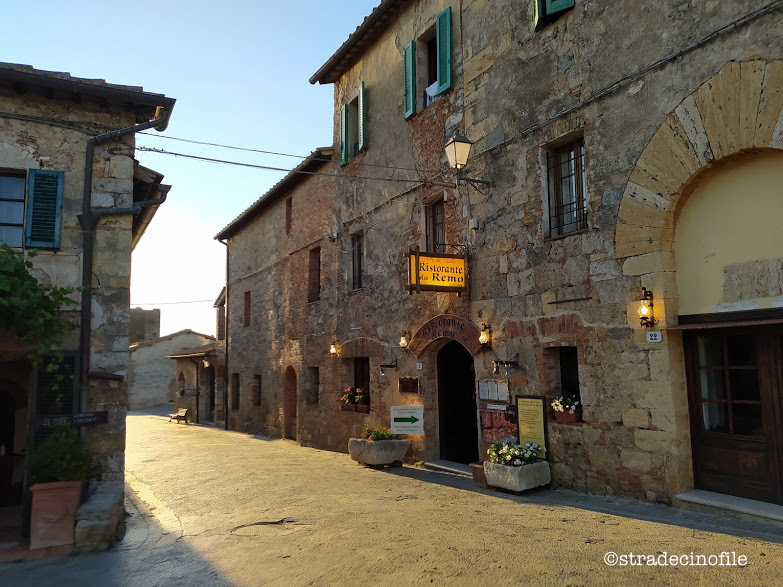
739 109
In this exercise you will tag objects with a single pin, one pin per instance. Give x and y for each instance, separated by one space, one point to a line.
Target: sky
239 71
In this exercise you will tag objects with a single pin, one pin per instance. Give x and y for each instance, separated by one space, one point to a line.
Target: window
235 391
435 227
289 214
567 189
548 11
562 371
314 275
313 385
246 316
257 390
39 223
435 47
357 254
352 127
361 373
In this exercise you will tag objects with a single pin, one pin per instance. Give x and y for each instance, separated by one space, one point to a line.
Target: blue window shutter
554 7
443 32
409 79
344 134
360 117
539 14
44 208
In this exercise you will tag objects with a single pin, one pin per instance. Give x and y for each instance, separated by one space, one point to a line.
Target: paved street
209 507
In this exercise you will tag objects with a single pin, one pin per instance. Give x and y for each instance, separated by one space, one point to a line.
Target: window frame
560 220
314 275
357 261
435 226
361 373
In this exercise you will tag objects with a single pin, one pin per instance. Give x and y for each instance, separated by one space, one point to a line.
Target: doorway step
729 505
449 467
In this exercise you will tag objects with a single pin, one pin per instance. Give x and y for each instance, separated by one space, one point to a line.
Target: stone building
625 167
151 374
69 186
200 383
144 324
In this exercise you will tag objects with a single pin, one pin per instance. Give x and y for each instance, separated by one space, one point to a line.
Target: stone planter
377 452
517 478
567 417
53 513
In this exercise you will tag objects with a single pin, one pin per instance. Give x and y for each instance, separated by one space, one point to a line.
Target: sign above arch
448 326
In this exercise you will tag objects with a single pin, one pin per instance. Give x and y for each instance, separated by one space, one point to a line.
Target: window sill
562 236
357 291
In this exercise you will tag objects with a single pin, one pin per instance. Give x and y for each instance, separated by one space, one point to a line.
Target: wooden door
734 382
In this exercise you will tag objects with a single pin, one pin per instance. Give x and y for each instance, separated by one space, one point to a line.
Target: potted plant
348 399
568 409
362 401
57 469
378 446
516 467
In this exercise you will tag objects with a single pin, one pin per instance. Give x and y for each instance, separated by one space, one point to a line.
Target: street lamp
458 149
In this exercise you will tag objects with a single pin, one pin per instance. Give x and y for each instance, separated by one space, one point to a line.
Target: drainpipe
225 363
89 220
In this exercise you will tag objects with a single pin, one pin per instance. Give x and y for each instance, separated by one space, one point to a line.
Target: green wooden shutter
360 118
554 7
443 32
44 208
409 79
344 134
539 14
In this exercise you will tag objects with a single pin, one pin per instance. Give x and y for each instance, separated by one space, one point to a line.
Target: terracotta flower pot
567 417
348 407
363 408
53 514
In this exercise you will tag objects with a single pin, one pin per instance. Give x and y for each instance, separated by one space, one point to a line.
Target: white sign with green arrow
407 419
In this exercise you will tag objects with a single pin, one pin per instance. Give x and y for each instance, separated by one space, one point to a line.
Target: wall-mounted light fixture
485 337
205 362
646 315
334 349
458 149
405 339
388 366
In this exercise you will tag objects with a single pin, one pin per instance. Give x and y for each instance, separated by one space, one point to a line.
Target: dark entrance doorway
457 404
289 403
210 394
7 430
735 393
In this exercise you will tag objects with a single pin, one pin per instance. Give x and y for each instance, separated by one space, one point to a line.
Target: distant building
144 324
200 385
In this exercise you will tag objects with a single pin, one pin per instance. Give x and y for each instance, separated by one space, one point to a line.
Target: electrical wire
212 301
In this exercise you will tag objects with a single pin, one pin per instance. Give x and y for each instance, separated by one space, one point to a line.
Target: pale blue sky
239 71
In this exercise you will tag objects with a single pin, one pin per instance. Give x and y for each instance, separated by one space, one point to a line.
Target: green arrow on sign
409 419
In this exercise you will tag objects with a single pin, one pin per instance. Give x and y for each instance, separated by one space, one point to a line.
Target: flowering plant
349 396
362 397
566 401
514 455
378 434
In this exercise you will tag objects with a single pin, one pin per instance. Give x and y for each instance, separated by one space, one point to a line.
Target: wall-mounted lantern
405 339
334 349
458 149
646 316
485 337
206 363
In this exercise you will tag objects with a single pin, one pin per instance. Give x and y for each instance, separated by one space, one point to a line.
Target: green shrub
379 434
63 456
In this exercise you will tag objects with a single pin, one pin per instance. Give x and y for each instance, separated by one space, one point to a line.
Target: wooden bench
181 415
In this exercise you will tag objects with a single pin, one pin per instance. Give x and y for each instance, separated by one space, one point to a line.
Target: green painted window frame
344 158
43 218
443 42
547 11
409 79
361 118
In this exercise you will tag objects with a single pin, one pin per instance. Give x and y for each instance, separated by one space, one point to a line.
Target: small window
361 374
433 63
289 214
435 229
235 391
548 11
352 127
257 390
314 275
247 310
313 385
37 221
357 254
567 189
11 210
562 371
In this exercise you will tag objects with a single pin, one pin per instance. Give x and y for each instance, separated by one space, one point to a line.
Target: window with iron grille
357 254
246 315
235 391
567 189
256 390
314 275
361 373
435 228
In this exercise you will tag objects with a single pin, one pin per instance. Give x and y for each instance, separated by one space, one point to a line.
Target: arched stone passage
738 109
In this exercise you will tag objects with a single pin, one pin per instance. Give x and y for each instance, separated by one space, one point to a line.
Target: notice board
531 420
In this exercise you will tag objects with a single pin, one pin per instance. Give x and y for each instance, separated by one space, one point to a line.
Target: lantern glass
458 150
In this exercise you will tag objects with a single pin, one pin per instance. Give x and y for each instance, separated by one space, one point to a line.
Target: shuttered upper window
434 47
38 223
352 127
548 11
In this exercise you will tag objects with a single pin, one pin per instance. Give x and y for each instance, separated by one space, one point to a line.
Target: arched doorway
290 398
457 408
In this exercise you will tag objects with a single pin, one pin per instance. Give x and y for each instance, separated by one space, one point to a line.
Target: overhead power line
212 301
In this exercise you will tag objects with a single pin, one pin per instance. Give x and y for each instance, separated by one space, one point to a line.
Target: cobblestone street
210 507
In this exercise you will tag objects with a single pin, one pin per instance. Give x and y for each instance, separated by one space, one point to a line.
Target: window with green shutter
360 118
409 79
44 208
548 11
352 127
344 134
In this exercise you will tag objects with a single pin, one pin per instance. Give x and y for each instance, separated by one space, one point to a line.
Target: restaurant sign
433 272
